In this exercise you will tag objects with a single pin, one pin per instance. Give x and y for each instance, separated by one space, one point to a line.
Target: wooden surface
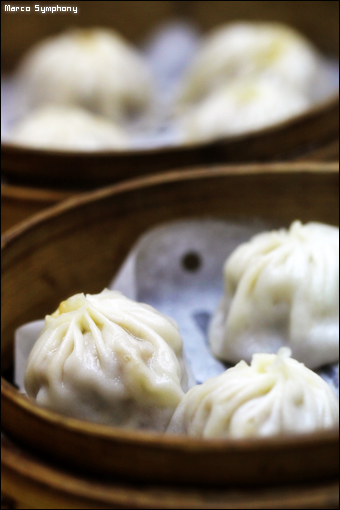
308 137
18 203
78 245
29 482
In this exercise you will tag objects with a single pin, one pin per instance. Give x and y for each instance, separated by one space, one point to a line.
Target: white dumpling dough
68 128
239 50
108 359
274 395
92 68
281 289
241 107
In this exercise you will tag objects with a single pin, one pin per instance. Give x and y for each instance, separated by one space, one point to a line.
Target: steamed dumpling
92 68
108 359
244 106
274 395
281 289
241 50
68 128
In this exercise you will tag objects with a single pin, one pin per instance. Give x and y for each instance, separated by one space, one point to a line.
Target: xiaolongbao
241 50
281 289
108 359
244 106
274 395
68 128
92 68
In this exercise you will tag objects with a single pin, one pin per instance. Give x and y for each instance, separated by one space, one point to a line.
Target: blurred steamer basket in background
309 136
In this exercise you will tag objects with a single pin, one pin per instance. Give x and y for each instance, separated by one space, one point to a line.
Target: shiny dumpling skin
108 359
281 289
68 128
243 106
275 395
92 68
242 49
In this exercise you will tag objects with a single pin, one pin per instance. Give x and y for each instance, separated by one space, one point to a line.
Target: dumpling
108 359
241 50
92 68
281 289
68 128
274 395
243 106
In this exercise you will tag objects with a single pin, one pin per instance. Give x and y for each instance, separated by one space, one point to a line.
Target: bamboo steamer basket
311 136
78 245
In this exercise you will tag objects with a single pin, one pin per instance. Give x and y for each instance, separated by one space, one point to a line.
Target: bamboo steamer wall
30 482
55 255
